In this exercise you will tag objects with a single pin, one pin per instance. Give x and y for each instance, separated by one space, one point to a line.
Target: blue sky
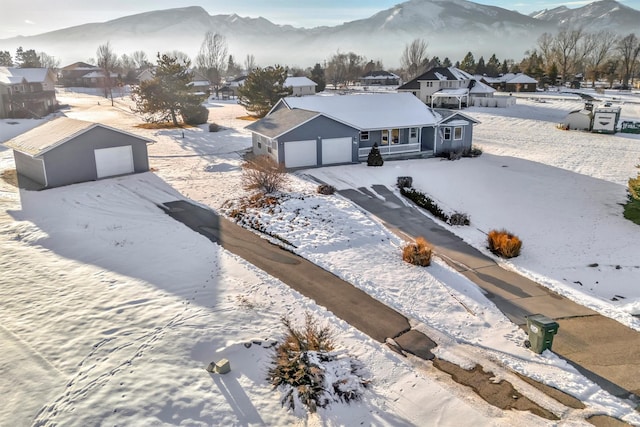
27 17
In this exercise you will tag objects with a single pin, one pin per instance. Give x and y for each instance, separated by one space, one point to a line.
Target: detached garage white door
300 153
336 150
114 161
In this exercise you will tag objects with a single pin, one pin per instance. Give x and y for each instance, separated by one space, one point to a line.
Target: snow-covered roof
437 74
522 79
368 111
451 92
445 114
511 78
13 75
299 82
54 133
281 121
480 87
98 75
379 75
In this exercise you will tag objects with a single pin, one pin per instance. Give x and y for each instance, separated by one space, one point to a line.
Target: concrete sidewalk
604 350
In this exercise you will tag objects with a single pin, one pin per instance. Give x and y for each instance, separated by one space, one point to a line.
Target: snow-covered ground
111 310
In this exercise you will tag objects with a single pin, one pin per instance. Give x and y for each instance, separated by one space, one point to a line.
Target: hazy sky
28 17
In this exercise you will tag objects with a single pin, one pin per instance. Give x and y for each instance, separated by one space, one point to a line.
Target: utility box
541 332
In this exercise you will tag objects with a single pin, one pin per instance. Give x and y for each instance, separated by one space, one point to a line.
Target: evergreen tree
5 59
27 58
317 75
481 68
505 67
493 66
262 88
374 158
446 62
168 95
468 64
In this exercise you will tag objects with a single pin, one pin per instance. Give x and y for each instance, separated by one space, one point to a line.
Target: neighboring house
442 87
27 92
97 79
324 130
234 85
200 84
67 151
380 78
71 75
145 75
301 86
511 82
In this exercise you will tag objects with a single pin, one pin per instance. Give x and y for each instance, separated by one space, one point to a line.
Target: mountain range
450 27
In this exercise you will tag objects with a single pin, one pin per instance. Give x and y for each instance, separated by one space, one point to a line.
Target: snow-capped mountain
604 14
451 27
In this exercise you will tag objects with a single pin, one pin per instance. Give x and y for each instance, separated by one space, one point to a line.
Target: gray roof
281 121
54 133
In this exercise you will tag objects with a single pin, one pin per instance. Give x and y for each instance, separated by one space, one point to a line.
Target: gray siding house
67 151
316 131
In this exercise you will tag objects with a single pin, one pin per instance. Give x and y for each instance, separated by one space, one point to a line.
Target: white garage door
114 161
300 153
336 150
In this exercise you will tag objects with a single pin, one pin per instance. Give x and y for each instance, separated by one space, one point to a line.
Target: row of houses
27 92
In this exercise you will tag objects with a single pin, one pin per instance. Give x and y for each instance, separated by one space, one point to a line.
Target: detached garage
66 151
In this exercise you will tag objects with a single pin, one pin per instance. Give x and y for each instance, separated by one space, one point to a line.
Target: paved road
343 299
604 350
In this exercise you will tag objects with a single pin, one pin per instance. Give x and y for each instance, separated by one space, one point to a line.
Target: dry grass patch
504 243
248 118
417 253
10 176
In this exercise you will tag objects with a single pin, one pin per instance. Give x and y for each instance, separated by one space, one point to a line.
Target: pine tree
468 64
317 75
262 88
5 59
375 158
168 95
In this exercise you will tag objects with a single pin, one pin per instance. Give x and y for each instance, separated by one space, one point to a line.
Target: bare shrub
264 174
417 253
309 372
404 182
459 218
504 243
326 189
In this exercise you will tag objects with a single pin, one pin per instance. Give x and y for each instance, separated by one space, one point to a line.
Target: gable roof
54 133
78 66
367 111
480 87
281 121
445 114
437 74
380 74
510 78
12 75
299 82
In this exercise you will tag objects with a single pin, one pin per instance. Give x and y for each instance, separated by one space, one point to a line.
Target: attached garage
66 151
300 153
337 150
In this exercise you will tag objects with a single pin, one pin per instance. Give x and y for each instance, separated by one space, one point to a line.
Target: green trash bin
541 332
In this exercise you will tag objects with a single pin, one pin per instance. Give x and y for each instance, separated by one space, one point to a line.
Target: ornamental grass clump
504 243
417 253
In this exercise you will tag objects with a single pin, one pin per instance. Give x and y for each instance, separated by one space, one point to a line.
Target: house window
447 134
385 137
364 135
269 150
457 132
395 136
274 144
413 133
259 144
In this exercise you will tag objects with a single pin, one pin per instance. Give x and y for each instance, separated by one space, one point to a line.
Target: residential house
27 92
66 151
145 75
301 86
71 75
200 83
380 78
233 86
446 87
511 82
97 78
313 131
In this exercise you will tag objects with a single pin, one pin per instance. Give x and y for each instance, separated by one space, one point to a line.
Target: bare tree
414 58
178 55
140 59
107 60
565 46
603 44
343 68
212 57
629 49
48 61
249 63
